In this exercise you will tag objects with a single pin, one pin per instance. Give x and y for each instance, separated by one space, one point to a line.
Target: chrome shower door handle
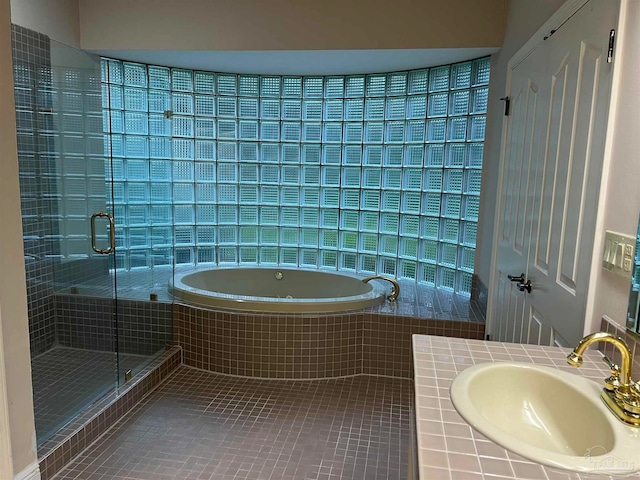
112 233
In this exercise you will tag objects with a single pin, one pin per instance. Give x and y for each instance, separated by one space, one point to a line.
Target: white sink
546 415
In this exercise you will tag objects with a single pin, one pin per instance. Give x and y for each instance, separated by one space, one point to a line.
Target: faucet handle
613 382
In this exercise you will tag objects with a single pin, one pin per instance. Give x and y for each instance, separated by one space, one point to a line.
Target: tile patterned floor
200 425
66 380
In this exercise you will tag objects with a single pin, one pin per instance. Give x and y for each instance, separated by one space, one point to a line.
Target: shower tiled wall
144 327
32 76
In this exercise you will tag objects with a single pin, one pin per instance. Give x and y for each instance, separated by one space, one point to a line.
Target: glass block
452 181
438 105
373 155
226 193
291 132
159 77
477 128
328 259
248 85
376 85
291 110
459 103
227 151
439 79
396 108
429 227
431 204
451 205
309 258
353 132
182 103
333 110
350 199
391 179
369 221
206 193
161 236
292 87
409 225
248 255
415 131
429 251
475 156
310 175
181 80
461 75
268 255
228 255
205 150
248 151
270 109
481 71
352 155
417 82
449 230
332 133
269 174
417 106
371 200
205 172
369 242
354 109
183 214
205 106
270 87
329 219
289 256
448 255
455 155
269 216
249 173
312 110
464 282
330 197
373 132
393 156
135 99
289 236
329 238
331 154
115 69
371 177
411 202
311 154
226 84
374 109
227 172
184 256
158 148
206 128
426 274
331 176
228 214
472 182
270 131
159 101
311 132
313 87
135 74
248 194
397 83
436 130
206 214
309 237
388 245
227 107
469 233
182 126
248 108
470 208
135 146
309 217
159 126
204 82
466 258
479 100
116 97
355 86
348 240
334 87
446 279
290 174
183 193
269 153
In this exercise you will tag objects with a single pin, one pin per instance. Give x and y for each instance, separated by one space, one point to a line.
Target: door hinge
507 102
612 41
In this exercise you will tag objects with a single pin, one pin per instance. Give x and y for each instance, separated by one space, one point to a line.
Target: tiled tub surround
295 346
204 426
448 449
83 430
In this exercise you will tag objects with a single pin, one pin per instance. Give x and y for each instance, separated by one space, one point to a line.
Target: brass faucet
395 291
620 393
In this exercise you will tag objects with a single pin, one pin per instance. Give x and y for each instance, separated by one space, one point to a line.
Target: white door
551 170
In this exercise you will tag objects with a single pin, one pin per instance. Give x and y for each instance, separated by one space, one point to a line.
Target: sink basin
546 415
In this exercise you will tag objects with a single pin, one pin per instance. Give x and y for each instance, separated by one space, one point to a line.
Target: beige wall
524 18
59 19
13 295
622 195
290 24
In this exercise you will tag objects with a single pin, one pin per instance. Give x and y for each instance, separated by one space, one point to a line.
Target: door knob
524 286
513 278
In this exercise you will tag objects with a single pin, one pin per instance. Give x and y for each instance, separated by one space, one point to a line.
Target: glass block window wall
374 174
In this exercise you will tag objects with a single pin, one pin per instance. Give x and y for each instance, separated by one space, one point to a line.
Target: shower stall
91 328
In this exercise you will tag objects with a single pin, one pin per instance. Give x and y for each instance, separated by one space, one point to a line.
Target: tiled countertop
448 448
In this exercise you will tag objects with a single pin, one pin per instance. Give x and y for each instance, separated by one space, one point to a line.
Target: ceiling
301 62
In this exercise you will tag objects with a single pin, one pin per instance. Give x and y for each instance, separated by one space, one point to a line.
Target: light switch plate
617 256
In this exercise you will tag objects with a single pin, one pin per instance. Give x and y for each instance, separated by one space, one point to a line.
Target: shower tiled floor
200 425
66 379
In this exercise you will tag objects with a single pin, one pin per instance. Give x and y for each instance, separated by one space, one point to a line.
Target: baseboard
32 472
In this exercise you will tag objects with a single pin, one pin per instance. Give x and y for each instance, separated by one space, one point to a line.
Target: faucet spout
395 290
575 357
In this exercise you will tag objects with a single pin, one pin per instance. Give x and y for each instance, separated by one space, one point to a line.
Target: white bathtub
276 290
